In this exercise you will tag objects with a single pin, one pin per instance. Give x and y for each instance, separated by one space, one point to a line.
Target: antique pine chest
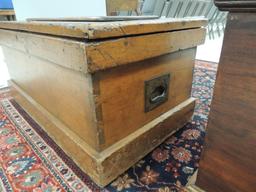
106 91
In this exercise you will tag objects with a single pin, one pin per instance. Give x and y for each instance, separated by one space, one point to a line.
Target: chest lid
92 28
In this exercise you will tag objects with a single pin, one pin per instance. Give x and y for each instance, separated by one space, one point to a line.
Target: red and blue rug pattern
31 161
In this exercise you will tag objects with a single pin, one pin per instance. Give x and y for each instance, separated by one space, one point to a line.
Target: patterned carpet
31 161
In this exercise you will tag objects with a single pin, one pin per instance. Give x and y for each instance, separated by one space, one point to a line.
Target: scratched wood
105 166
94 56
133 49
99 30
87 81
129 99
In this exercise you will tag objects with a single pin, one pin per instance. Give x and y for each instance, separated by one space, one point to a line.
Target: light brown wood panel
132 49
75 55
64 52
121 91
105 166
87 79
127 28
69 93
81 153
138 144
99 30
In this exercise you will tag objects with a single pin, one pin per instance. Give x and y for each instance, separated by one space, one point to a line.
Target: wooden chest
106 92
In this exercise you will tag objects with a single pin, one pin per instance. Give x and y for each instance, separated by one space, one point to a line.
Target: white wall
4 75
210 50
58 8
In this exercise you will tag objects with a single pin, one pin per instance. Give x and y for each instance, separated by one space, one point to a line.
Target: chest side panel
122 92
55 80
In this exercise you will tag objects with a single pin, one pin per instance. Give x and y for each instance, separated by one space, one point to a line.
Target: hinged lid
104 27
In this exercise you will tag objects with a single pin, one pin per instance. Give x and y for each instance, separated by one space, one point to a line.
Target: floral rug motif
31 161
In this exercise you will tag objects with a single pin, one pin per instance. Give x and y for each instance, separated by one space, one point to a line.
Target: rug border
65 158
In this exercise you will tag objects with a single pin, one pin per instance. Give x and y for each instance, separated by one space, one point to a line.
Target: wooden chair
7 14
115 6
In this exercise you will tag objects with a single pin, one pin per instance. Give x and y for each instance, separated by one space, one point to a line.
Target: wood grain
102 30
123 154
94 56
78 150
123 51
89 86
60 74
105 166
64 52
228 162
121 91
92 116
64 93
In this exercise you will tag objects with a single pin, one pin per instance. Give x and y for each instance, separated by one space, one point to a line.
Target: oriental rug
31 161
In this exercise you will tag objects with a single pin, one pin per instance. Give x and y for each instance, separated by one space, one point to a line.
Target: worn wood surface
105 166
59 67
70 93
76 148
228 161
78 101
99 30
122 51
64 93
134 147
92 91
121 92
64 52
94 56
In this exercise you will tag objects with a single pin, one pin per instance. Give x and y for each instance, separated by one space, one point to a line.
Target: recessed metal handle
158 94
156 91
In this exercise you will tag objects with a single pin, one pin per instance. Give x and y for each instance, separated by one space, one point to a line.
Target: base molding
103 167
